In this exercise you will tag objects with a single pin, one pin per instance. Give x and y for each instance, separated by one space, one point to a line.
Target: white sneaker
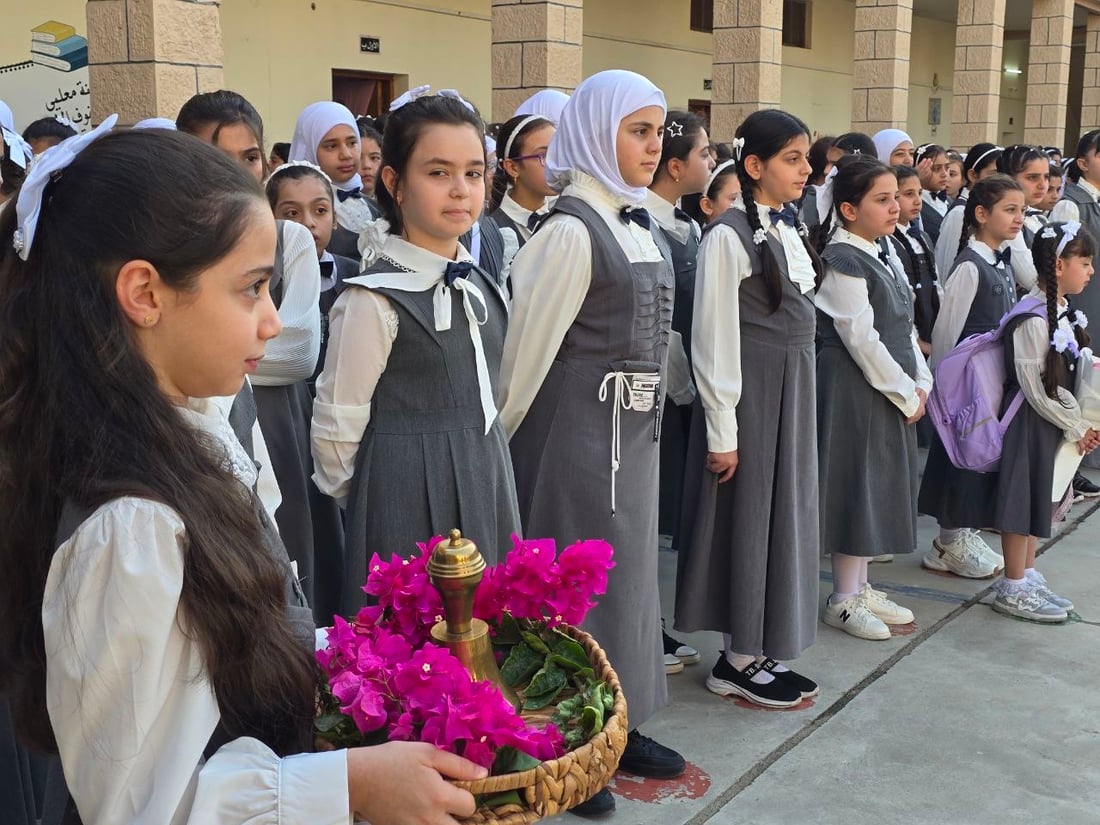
961 557
1027 603
853 617
1039 584
889 612
672 664
994 557
885 558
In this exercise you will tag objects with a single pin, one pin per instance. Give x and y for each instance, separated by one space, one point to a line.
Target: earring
148 320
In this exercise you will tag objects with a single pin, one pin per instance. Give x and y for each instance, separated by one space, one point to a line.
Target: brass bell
456 568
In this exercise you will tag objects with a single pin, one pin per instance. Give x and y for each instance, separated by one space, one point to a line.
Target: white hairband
726 164
46 167
290 164
425 91
512 137
985 154
1069 232
738 145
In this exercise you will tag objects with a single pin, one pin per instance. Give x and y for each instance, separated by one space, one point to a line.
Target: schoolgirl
581 386
893 147
1029 167
1041 350
1054 189
821 157
930 161
405 430
721 190
172 665
978 293
914 249
326 134
850 143
749 567
981 162
955 178
45 132
518 199
684 169
370 154
309 522
872 384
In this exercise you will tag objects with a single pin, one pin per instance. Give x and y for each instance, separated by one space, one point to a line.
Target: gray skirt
867 463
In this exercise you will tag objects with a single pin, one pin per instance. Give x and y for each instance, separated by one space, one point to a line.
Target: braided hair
986 193
1045 254
510 140
1089 142
765 133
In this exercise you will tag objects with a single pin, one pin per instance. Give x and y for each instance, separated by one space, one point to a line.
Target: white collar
594 191
419 259
842 235
1088 187
514 210
982 248
665 214
207 417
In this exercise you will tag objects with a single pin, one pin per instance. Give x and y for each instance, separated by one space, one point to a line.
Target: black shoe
1083 488
807 687
726 680
647 758
599 804
674 647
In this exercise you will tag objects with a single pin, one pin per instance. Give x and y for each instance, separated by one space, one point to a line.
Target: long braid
500 186
968 224
1044 254
768 264
903 245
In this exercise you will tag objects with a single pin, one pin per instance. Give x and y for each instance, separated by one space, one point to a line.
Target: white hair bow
825 196
46 167
738 145
1069 232
19 151
424 91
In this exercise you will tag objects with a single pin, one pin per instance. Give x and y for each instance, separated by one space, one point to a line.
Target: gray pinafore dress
953 496
867 454
676 422
425 464
750 562
616 348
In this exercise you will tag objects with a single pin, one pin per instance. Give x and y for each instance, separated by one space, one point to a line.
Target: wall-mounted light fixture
1013 71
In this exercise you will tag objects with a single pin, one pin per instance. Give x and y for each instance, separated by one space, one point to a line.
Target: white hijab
589 124
887 141
313 124
7 119
546 103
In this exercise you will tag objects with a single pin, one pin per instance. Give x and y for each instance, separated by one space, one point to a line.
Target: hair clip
804 231
290 164
921 150
1080 320
454 95
674 129
1048 232
738 145
409 96
759 237
64 121
46 168
1063 340
856 152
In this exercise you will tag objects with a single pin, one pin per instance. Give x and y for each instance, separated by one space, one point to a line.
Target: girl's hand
402 783
1089 443
723 465
919 414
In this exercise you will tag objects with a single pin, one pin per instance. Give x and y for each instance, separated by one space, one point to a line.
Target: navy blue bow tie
533 220
884 256
344 194
787 214
328 269
939 196
682 215
637 215
456 270
913 231
1002 256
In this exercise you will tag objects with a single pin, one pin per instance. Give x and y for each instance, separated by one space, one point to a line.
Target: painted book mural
50 75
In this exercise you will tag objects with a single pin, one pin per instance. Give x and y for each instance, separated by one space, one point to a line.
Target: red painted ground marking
903 629
805 704
693 784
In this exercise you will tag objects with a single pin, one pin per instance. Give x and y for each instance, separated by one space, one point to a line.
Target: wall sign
370 45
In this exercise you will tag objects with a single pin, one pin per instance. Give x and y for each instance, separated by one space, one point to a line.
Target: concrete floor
971 718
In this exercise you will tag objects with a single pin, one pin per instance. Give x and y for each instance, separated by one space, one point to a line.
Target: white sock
864 565
779 668
1014 585
846 576
740 661
1034 576
949 535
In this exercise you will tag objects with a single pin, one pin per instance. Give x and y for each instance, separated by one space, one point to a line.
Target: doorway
365 93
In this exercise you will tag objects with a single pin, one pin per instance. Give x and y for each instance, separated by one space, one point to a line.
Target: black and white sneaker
686 654
1083 488
807 687
726 680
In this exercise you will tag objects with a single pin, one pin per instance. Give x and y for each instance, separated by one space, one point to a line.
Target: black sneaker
1083 488
685 653
602 803
647 758
807 687
726 680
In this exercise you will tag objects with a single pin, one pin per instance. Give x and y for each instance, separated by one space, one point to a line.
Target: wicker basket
559 784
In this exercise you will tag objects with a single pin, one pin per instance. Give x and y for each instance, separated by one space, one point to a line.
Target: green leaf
521 663
497 800
328 722
592 720
507 632
573 650
545 687
535 642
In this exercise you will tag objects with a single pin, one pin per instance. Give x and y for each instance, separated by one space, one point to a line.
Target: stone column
747 62
1090 92
147 57
880 74
1048 72
536 45
979 45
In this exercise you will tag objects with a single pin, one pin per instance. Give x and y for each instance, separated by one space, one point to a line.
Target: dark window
702 15
796 23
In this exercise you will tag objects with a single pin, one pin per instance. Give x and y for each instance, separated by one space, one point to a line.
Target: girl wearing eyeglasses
520 190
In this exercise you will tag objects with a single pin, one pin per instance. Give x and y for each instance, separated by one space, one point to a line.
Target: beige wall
932 60
1013 93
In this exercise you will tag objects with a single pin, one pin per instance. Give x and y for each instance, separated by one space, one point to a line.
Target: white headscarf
589 125
546 103
7 119
312 125
887 141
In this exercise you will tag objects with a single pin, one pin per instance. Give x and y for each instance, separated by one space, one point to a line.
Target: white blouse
292 355
716 325
947 246
1031 343
362 328
940 206
846 300
550 279
958 298
353 214
1066 210
126 688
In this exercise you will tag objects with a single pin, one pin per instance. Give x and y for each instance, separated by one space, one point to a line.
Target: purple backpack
968 393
